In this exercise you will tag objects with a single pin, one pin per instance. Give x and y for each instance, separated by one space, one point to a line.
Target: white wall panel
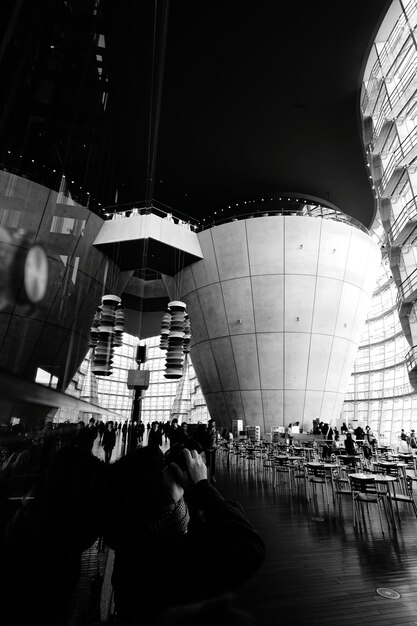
212 306
350 355
374 260
233 400
217 408
326 304
187 282
297 347
299 302
273 408
271 360
205 272
319 361
334 248
237 296
364 304
301 245
246 358
313 402
225 361
294 400
231 250
209 366
336 364
266 233
349 301
252 407
329 402
268 303
359 250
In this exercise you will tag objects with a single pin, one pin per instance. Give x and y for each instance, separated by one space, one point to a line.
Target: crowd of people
360 438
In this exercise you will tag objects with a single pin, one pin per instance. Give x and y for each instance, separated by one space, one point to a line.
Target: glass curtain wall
382 391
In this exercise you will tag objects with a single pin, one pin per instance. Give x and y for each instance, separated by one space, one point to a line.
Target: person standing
141 431
210 449
101 430
155 435
350 447
176 434
87 434
109 441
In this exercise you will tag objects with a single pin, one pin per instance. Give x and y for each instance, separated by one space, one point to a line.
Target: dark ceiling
257 96
209 101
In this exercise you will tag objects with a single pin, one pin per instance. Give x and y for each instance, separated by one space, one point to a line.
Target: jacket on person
189 562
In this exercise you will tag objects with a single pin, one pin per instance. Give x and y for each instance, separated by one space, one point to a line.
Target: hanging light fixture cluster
175 338
165 326
106 333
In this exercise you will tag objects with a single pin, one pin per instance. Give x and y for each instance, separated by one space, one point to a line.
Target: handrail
408 212
324 212
338 217
411 358
407 288
380 394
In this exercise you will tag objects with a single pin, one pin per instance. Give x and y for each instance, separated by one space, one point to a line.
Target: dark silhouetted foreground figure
43 540
170 524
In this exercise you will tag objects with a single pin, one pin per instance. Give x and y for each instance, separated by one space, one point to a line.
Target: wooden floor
318 568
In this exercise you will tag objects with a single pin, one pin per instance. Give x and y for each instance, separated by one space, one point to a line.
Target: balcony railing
411 359
407 215
407 290
380 394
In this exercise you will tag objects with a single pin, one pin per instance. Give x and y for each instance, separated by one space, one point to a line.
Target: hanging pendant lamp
106 333
175 353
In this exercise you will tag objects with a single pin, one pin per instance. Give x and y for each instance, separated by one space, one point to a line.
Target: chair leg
380 516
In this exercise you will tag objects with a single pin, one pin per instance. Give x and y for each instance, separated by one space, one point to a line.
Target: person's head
348 435
110 425
146 497
211 424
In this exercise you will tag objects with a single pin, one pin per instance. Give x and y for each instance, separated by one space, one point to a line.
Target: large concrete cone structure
277 307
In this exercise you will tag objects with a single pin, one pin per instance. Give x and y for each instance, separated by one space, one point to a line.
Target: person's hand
196 469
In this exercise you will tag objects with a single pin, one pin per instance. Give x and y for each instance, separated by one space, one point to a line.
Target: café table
401 467
327 467
388 482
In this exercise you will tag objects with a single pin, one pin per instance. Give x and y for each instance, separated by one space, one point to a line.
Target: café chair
268 464
283 468
341 483
406 496
317 475
364 493
299 474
